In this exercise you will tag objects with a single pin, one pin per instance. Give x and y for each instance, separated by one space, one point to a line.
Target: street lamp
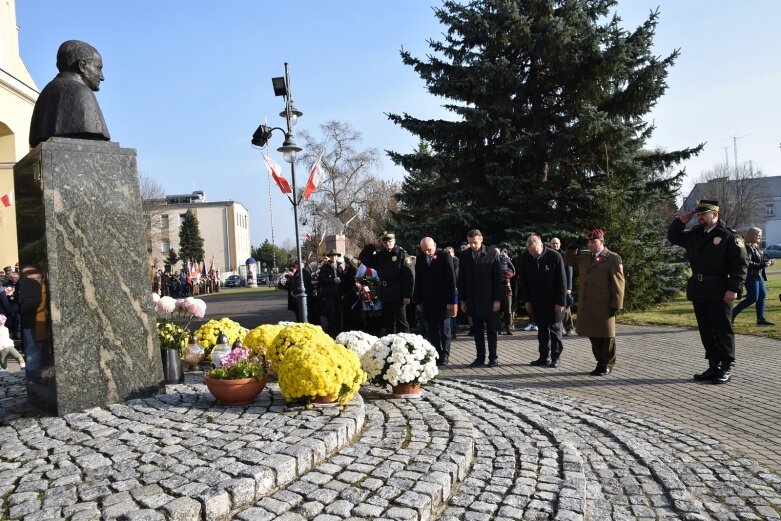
289 151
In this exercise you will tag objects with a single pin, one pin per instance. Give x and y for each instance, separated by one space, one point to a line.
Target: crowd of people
384 290
185 283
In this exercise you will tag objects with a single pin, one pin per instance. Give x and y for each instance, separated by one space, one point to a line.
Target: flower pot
324 401
242 391
407 390
172 367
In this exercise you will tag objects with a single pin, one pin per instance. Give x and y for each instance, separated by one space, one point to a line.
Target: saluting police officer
396 284
718 260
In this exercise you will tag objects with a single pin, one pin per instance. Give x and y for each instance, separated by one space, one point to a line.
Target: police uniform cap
387 236
706 205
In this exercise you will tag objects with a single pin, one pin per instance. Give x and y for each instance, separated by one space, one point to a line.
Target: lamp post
289 151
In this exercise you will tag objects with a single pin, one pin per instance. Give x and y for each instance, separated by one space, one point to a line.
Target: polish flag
8 199
315 174
275 171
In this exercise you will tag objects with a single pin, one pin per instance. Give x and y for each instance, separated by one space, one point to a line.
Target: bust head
83 59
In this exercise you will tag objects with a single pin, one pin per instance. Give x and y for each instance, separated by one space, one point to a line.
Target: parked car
262 279
773 251
235 281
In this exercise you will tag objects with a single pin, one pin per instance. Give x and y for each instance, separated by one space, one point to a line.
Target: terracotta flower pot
407 389
235 392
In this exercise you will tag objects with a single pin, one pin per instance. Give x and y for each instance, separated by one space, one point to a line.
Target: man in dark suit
434 295
479 294
543 287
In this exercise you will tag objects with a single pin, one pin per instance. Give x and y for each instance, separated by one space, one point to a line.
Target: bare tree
738 190
152 197
350 198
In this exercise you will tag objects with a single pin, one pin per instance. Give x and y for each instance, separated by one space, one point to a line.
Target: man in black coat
329 289
396 284
434 295
479 293
544 289
719 264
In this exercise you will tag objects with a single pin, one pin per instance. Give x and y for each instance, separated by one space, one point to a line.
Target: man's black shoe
493 363
710 373
600 371
554 363
543 362
477 363
443 361
509 332
723 376
764 322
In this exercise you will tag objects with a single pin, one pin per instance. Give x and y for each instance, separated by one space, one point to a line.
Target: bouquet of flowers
240 363
366 289
357 341
174 317
400 359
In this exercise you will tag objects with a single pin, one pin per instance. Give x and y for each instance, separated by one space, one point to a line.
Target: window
166 246
770 209
164 221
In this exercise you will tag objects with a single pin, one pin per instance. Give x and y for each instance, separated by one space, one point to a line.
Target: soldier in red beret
600 296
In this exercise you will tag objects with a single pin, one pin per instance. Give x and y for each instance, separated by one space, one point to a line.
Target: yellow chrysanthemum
295 334
261 338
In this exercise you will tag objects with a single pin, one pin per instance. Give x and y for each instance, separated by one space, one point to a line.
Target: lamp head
261 136
294 114
289 149
280 88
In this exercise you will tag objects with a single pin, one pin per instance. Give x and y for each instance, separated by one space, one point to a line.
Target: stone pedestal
336 242
89 317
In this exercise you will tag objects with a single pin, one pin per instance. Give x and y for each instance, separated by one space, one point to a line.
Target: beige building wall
224 227
18 93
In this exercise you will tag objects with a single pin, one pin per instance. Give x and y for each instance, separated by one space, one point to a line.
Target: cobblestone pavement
512 442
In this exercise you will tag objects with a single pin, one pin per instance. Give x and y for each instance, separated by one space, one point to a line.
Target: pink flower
166 305
180 304
197 308
236 355
155 299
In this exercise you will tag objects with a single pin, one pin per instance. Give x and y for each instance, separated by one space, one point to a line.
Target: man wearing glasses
600 296
396 284
719 265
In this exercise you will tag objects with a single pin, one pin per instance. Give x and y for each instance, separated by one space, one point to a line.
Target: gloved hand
613 312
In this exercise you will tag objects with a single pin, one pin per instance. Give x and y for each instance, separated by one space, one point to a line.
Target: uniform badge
717 240
740 243
394 258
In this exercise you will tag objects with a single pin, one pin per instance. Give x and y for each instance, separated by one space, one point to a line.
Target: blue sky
187 82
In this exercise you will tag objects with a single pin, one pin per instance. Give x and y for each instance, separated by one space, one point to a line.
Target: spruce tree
190 240
548 135
172 258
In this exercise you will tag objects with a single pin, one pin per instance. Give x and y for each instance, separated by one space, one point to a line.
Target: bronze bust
67 106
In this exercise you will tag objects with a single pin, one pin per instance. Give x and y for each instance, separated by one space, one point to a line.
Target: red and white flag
315 174
275 171
8 199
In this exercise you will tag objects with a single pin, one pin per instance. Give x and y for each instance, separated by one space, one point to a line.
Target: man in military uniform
600 296
396 284
719 264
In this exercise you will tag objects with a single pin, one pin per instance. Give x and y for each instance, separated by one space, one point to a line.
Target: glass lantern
221 349
193 353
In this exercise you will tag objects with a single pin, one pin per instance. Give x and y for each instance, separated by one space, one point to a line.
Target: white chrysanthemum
357 341
400 358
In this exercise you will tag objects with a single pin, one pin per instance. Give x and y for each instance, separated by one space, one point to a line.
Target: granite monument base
89 330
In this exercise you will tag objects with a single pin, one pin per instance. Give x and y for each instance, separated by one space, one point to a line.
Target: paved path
513 442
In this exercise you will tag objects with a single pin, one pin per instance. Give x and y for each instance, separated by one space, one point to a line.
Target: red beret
596 233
